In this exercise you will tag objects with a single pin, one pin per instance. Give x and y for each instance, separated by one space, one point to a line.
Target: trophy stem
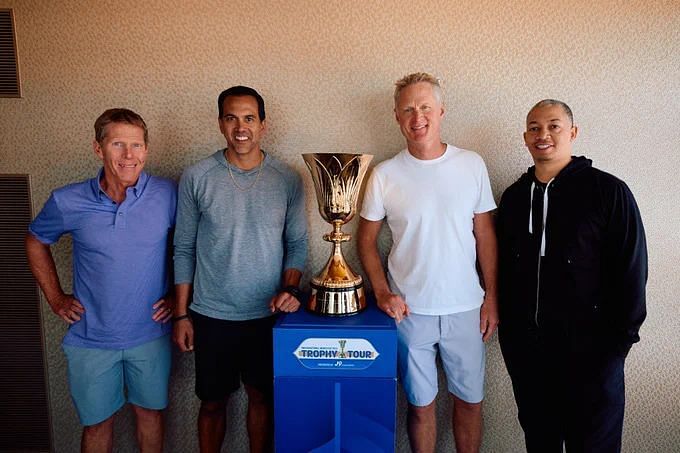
337 291
337 273
337 236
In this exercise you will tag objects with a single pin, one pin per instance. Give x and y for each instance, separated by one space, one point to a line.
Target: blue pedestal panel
335 382
334 415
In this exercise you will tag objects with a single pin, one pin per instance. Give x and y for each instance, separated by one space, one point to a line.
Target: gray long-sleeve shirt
234 245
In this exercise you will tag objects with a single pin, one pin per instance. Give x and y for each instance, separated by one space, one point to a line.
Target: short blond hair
417 77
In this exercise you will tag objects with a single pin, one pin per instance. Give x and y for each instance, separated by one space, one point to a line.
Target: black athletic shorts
227 352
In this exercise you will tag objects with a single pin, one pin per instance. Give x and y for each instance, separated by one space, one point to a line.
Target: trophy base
337 301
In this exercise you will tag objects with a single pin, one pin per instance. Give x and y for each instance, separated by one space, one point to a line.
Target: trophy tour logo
333 353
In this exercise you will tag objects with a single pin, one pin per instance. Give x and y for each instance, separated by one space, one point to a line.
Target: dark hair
118 115
240 90
548 102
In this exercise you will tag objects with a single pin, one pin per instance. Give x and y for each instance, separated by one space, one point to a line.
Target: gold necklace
231 175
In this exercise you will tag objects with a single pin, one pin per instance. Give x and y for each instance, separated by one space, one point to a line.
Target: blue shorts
99 379
459 342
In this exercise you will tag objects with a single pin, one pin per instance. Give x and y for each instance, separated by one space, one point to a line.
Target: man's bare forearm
367 247
487 253
182 296
43 268
291 277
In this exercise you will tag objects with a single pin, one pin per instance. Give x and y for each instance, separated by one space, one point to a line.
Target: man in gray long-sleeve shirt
240 245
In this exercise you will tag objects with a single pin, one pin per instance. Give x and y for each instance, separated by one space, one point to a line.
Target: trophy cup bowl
337 290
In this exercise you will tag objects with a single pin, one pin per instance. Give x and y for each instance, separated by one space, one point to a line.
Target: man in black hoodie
573 270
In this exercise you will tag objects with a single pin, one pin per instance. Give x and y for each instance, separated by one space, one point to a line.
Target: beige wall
326 70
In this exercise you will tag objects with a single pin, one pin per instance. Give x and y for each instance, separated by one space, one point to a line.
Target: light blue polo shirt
120 257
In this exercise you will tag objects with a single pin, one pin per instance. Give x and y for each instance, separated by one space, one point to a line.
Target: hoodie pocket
583 281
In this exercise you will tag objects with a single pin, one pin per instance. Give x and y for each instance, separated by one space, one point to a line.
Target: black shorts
227 352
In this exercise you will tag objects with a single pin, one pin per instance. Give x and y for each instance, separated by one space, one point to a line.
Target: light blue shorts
459 342
99 379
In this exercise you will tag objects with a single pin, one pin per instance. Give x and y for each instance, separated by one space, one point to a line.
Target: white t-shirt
429 206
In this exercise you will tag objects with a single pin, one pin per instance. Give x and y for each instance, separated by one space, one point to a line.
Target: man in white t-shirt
437 202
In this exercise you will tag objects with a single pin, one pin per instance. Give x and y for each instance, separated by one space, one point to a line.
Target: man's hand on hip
163 309
67 308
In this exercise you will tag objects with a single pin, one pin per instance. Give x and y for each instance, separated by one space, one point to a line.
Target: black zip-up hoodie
584 274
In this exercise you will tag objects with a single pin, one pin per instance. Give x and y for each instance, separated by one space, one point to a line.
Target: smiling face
123 152
241 126
550 135
419 114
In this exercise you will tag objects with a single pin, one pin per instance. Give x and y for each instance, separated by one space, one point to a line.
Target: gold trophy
337 291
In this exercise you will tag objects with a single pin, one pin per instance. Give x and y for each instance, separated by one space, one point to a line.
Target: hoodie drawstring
545 215
531 208
545 212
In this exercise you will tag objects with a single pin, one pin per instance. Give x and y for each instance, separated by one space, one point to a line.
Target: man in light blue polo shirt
117 345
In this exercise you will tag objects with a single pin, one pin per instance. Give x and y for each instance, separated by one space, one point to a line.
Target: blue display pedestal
335 382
